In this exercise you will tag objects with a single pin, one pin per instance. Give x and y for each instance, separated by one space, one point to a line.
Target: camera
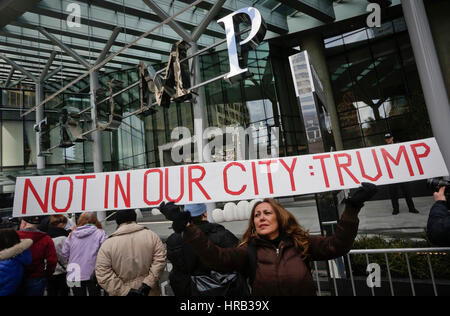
436 183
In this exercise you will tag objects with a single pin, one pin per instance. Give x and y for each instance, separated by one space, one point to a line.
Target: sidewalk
375 218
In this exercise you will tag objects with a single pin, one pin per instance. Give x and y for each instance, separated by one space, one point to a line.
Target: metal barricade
367 252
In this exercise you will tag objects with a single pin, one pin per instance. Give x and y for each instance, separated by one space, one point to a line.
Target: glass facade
248 103
376 86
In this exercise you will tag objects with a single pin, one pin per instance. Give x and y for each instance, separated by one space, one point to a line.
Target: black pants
57 285
86 287
395 194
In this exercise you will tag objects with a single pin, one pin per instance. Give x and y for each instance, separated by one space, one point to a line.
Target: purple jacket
81 249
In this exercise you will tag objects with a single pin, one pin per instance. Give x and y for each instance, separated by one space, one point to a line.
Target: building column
4 97
313 43
97 156
39 95
199 112
430 74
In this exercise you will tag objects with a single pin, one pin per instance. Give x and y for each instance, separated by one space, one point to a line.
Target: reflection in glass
374 78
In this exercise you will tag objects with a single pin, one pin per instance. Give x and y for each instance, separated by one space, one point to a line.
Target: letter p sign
257 33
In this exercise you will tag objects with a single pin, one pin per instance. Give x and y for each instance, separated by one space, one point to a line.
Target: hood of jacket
84 231
125 229
16 250
33 234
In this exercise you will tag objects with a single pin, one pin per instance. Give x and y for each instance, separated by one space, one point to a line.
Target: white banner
228 181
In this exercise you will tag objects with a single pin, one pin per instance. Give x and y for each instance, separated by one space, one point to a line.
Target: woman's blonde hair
287 226
89 218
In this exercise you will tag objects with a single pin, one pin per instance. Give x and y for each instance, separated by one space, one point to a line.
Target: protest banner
228 180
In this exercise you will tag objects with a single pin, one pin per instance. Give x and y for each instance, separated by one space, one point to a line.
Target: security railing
336 276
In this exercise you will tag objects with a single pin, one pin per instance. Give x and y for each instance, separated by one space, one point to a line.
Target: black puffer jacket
438 226
186 263
279 271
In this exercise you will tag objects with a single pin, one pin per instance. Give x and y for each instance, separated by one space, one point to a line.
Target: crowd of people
52 256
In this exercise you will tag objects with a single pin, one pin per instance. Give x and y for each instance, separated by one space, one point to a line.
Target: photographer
438 227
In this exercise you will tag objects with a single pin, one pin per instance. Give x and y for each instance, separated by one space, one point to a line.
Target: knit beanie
195 209
125 216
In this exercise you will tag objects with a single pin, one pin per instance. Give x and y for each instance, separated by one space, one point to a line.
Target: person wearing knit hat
125 216
34 220
131 261
43 258
195 209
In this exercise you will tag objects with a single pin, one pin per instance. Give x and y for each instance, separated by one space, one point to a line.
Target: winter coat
12 263
81 248
438 226
279 271
132 255
184 260
43 254
59 236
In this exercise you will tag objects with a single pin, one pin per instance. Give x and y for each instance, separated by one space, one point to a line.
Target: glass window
57 156
29 142
375 84
12 144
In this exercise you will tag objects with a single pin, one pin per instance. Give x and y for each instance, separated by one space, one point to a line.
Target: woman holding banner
275 250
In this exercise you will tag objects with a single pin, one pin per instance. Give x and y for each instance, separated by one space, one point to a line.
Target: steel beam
108 45
11 73
39 95
54 72
173 24
111 57
64 47
199 30
19 68
320 9
47 66
14 83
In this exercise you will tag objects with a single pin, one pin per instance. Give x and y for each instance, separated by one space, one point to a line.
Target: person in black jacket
184 261
438 226
395 188
57 285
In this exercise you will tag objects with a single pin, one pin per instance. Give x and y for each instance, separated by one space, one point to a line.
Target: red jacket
43 254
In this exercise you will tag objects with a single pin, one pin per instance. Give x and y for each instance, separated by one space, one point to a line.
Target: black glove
134 292
170 210
361 195
142 291
173 213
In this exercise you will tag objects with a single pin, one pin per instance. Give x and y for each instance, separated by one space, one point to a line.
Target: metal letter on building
71 127
110 117
257 33
170 87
